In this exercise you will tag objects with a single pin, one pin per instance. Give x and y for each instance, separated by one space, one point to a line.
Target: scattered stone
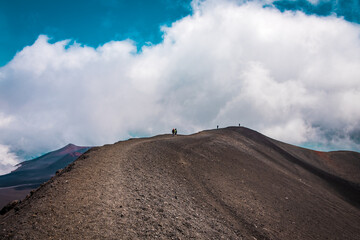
9 206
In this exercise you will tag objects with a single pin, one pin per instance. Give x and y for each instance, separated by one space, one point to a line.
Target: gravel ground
229 183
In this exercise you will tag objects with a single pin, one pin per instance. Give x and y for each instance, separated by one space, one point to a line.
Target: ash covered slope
231 182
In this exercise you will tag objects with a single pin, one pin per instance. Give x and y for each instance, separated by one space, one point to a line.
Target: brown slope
30 174
233 183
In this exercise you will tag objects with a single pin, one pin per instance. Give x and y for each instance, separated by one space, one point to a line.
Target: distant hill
231 183
31 174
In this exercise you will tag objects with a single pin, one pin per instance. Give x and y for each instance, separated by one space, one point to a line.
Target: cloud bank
8 160
291 76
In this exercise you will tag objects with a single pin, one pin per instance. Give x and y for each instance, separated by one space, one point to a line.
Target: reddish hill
31 174
231 183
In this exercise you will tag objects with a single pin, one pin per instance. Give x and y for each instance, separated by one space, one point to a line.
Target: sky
95 72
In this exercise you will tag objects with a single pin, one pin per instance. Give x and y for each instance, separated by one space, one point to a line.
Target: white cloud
314 2
5 120
8 160
292 76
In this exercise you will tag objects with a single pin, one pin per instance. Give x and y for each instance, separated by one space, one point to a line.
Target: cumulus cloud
8 160
5 120
292 76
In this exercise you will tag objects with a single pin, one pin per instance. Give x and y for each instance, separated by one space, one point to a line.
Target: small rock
9 206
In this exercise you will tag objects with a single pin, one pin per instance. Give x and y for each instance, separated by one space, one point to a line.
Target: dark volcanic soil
231 183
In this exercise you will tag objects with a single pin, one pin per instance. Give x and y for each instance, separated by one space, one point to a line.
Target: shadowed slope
232 182
30 174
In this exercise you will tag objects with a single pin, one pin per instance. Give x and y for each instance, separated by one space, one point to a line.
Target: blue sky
95 72
90 22
349 9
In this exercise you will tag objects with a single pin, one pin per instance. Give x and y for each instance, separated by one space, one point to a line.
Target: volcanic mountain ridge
231 183
30 174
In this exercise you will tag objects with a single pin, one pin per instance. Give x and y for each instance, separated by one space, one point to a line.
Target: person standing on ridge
175 131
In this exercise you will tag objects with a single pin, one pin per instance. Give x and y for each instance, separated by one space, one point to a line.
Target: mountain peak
231 182
30 174
70 145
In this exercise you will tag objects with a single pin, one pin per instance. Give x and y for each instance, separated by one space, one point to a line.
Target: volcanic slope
231 183
32 173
